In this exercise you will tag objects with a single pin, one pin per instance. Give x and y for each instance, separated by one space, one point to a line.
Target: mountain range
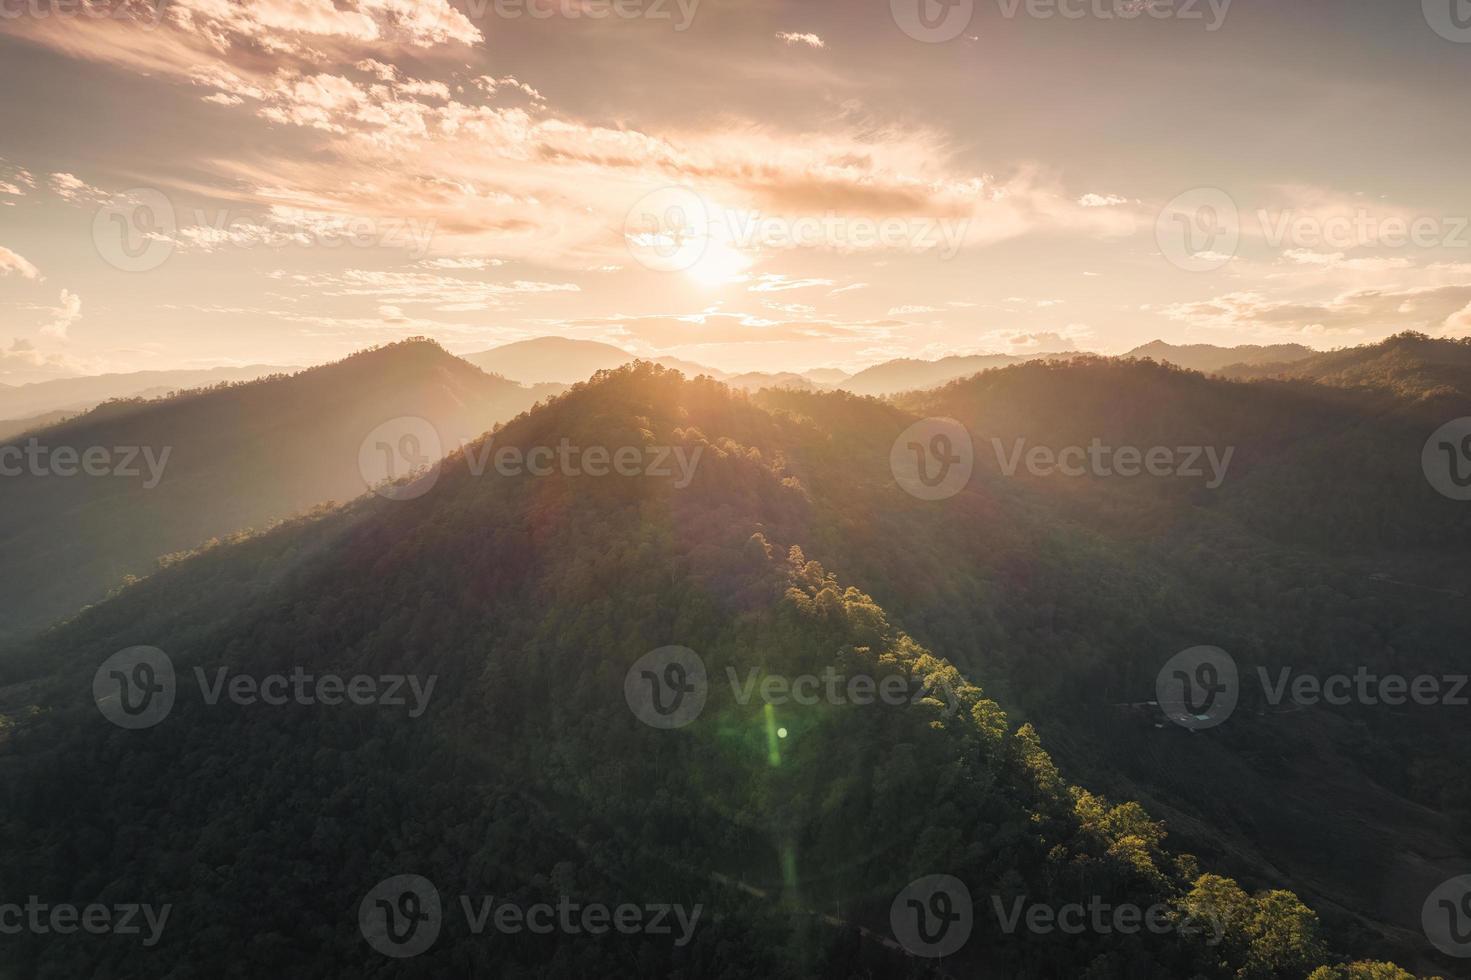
1042 604
182 471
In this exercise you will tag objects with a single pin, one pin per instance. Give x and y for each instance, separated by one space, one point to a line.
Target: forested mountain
1412 364
1024 611
1209 358
170 474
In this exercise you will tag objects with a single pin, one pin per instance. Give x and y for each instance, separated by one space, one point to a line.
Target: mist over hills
181 471
565 360
83 393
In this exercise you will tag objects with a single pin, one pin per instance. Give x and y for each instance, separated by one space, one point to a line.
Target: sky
748 184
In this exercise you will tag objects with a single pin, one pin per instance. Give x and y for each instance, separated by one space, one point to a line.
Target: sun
720 263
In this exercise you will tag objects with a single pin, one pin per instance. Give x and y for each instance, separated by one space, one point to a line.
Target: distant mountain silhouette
909 374
81 394
239 456
560 359
1209 358
14 427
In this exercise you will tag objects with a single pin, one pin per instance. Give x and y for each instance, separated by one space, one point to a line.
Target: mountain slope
171 474
532 600
1324 549
1410 364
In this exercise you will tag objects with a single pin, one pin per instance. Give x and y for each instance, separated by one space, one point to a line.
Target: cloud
1101 201
464 264
706 328
22 362
1363 312
74 190
14 182
63 315
11 262
811 40
447 294
1340 261
907 310
773 282
520 179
